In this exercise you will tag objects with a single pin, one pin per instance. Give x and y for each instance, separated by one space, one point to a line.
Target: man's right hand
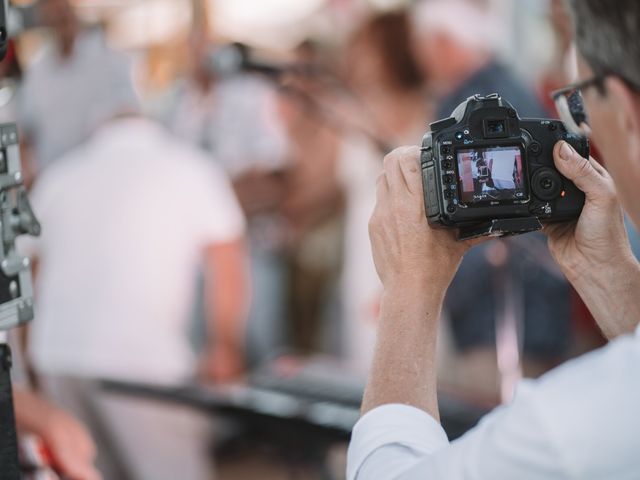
594 252
599 238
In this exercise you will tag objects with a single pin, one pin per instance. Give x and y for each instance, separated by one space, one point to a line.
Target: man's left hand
405 249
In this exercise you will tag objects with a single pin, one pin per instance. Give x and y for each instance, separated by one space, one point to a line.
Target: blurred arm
226 301
71 445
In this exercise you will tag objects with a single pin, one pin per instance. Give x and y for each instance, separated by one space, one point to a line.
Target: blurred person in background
60 104
388 102
455 44
312 204
234 119
127 219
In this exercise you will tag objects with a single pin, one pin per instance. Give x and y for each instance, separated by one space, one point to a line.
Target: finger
598 167
382 188
410 167
578 169
392 169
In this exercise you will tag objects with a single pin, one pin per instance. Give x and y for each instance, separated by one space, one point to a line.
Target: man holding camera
579 421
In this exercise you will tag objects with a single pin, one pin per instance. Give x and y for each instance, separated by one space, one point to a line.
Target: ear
627 107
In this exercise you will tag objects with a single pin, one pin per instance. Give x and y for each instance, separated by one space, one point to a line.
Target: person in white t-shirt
127 220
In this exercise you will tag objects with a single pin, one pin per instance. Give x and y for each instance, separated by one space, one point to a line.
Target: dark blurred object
4 35
319 395
298 407
238 58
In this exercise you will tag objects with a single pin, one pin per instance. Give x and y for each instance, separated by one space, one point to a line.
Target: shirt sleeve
390 439
217 214
403 443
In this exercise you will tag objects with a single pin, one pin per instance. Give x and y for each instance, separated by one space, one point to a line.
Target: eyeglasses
570 105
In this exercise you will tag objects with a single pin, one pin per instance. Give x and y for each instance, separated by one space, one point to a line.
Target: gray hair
607 33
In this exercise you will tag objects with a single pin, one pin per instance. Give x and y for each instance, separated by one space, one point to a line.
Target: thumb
578 169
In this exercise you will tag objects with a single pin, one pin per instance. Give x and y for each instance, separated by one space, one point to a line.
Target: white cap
464 20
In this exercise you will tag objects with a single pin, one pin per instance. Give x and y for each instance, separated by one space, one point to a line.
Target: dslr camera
486 171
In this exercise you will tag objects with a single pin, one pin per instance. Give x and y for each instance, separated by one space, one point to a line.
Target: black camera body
486 171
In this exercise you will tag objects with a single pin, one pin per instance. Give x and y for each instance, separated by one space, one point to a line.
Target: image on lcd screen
491 174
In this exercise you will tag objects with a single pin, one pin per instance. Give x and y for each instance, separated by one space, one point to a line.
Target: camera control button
446 149
447 164
448 179
451 208
448 194
535 149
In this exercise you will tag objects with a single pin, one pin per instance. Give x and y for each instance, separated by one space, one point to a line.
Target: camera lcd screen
491 174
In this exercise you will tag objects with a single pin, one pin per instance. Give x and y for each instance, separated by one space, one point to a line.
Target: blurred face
364 66
438 56
59 15
615 122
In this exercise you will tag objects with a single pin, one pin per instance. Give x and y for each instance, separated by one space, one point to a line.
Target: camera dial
546 184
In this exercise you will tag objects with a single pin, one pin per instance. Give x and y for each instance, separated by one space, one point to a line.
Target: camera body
486 171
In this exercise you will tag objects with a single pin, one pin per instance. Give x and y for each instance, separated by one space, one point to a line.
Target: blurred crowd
200 227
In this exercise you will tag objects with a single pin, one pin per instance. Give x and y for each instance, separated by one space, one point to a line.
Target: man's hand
405 248
594 252
599 238
416 265
70 444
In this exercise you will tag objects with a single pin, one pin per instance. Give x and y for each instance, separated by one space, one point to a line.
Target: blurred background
204 171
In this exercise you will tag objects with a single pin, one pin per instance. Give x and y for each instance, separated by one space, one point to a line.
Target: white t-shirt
125 219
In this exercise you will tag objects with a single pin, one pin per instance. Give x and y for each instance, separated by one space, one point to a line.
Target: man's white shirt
126 219
580 421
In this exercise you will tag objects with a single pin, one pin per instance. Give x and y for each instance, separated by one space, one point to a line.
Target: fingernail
566 151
